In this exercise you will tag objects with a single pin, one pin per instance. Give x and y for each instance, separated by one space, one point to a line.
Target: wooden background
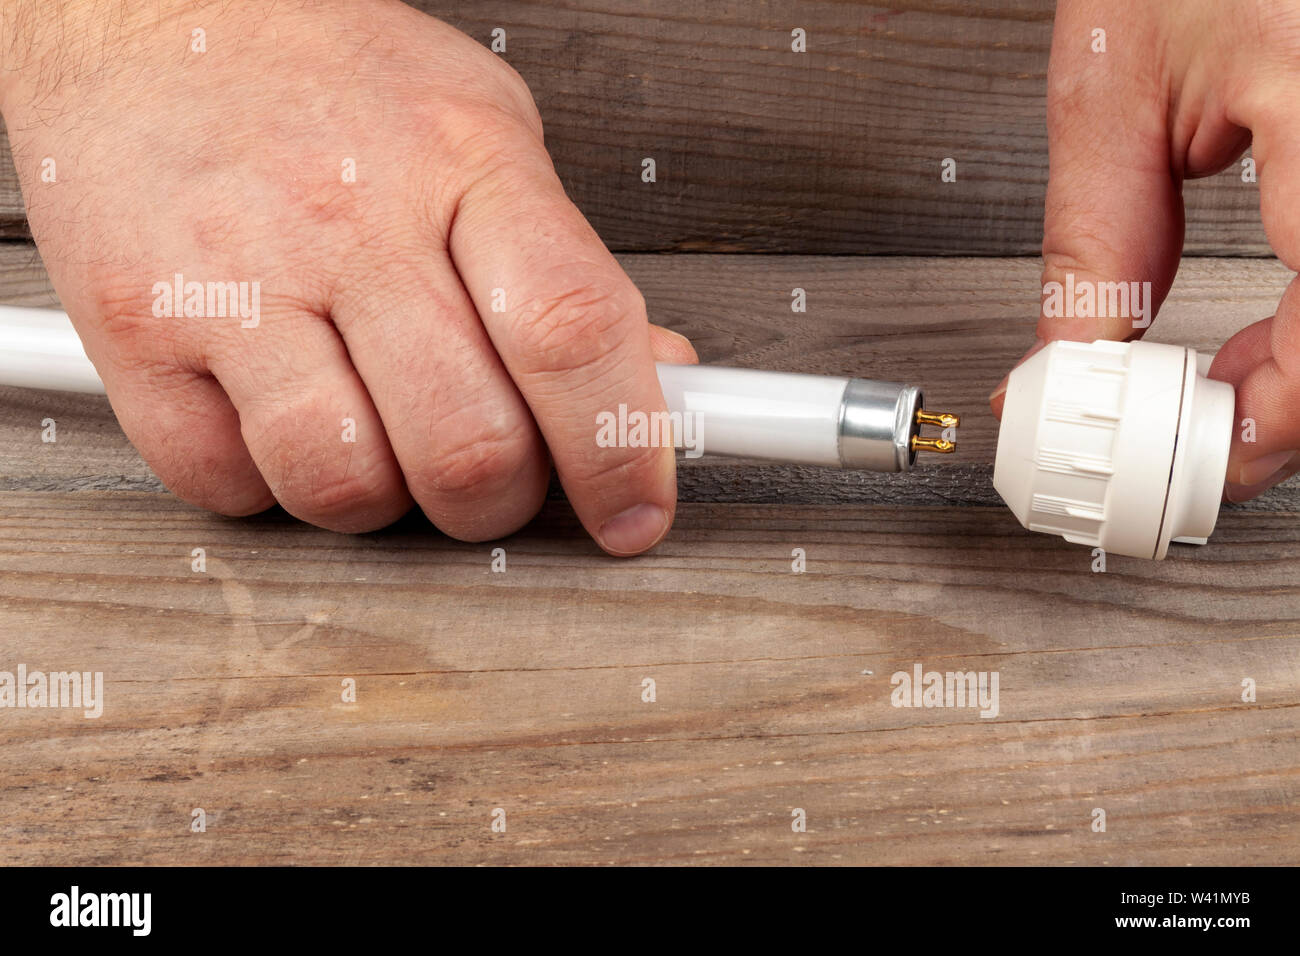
759 149
523 690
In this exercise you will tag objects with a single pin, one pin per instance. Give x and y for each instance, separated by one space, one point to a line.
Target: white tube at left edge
747 413
39 348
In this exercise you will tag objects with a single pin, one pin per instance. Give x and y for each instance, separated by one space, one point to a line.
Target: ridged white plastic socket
1117 445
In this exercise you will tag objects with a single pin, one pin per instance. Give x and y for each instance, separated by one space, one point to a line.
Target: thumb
1262 362
1113 228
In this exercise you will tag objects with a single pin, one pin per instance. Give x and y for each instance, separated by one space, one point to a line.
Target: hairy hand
384 293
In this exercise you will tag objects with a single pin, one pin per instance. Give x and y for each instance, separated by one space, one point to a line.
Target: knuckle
499 88
477 465
141 343
620 468
1063 87
311 471
479 134
518 98
125 314
1085 248
204 478
577 326
478 145
335 494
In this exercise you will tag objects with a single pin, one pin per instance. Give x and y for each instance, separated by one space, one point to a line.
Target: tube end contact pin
941 445
940 419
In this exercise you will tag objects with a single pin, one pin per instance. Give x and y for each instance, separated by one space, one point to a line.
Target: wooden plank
953 326
759 149
478 690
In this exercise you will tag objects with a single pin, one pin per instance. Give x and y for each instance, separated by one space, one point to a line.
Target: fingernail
1261 469
1239 493
634 530
1243 491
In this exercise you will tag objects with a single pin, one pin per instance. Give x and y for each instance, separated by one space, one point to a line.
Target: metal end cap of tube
877 421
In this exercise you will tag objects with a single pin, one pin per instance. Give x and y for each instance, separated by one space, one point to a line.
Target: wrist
48 44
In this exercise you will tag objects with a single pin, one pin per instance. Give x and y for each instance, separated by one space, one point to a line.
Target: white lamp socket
1116 445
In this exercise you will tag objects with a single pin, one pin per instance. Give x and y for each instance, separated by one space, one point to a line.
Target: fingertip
1236 493
672 347
1245 351
635 530
998 397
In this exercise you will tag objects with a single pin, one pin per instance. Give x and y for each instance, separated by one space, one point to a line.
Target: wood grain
759 149
522 690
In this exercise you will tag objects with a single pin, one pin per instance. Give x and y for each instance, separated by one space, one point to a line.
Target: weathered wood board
760 149
524 690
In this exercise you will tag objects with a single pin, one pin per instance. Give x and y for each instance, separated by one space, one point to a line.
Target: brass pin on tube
941 419
941 445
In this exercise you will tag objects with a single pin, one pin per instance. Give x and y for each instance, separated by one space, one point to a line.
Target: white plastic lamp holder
1117 445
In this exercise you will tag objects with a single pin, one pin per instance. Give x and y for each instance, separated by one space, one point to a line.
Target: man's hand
1177 94
395 300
